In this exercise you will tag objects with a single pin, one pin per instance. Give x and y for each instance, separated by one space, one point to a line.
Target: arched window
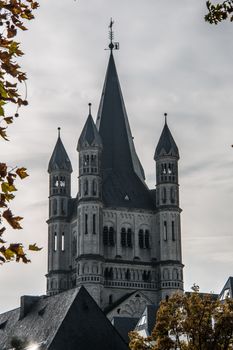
164 195
105 235
140 239
55 242
129 237
85 188
94 188
93 163
74 246
123 237
165 230
54 207
86 162
63 242
173 231
172 195
63 206
111 236
86 224
94 224
127 274
147 239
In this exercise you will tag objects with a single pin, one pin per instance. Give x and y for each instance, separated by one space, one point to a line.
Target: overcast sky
170 61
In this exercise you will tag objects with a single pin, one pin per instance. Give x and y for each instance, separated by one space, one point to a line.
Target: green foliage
219 12
190 322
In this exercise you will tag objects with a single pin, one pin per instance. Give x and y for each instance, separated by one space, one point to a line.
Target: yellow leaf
34 247
9 254
21 172
8 188
12 220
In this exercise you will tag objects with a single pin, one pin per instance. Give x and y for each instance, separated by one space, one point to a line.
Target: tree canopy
13 13
219 12
190 322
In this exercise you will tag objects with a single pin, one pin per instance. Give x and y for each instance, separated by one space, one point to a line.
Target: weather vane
113 45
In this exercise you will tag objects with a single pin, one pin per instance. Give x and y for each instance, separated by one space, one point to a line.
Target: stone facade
114 250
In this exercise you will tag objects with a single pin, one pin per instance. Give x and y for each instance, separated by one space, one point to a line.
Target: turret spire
89 135
59 159
166 145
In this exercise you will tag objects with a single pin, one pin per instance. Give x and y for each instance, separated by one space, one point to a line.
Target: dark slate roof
147 320
112 306
120 163
70 320
227 290
166 145
90 135
124 325
59 159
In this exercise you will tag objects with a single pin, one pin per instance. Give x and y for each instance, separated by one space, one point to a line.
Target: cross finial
111 34
112 45
59 129
165 116
89 104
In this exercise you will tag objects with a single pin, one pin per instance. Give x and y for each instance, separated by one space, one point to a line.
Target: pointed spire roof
166 145
90 135
59 159
113 125
122 171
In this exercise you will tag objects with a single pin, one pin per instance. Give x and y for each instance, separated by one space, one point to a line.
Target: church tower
117 238
168 214
59 170
89 245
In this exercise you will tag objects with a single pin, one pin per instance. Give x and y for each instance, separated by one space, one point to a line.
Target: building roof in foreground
227 291
70 320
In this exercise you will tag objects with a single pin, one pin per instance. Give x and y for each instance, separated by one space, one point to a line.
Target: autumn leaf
12 15
12 220
3 170
2 231
6 187
3 133
2 259
34 247
9 120
21 172
9 254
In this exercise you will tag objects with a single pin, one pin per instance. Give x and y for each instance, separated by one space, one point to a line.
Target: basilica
117 238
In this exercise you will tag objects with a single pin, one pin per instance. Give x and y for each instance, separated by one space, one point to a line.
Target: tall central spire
119 159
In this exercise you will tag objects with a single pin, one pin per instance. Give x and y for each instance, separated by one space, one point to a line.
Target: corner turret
168 215
59 170
90 209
